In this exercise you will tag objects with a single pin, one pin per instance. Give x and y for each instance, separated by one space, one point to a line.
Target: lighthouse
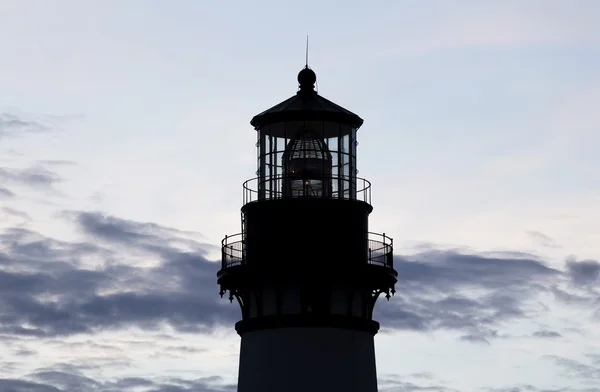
305 269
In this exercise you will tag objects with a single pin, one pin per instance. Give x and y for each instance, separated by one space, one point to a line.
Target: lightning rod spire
307 51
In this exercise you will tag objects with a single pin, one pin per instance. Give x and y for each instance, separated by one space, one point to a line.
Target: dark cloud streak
15 213
6 193
12 125
470 293
57 380
585 272
542 239
180 290
34 176
546 334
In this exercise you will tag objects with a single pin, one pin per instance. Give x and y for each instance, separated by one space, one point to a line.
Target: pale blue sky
480 137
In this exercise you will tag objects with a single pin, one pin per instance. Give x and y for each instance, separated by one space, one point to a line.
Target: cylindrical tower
305 269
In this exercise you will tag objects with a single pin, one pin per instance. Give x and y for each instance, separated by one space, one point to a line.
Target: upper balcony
380 251
330 187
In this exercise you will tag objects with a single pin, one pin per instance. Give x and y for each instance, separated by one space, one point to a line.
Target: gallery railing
342 187
232 251
380 250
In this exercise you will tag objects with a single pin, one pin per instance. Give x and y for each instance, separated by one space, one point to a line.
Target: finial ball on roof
307 79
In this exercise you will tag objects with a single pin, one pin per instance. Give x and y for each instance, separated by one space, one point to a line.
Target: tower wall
306 234
307 360
293 298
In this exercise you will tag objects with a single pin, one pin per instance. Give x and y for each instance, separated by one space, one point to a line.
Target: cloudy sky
125 138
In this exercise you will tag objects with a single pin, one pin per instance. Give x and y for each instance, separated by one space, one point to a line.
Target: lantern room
306 147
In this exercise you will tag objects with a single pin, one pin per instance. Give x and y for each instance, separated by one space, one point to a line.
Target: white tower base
307 359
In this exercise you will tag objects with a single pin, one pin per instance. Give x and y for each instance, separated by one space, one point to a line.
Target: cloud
542 239
394 383
24 353
585 272
52 380
475 339
15 213
67 381
449 269
574 369
546 334
11 125
126 232
53 288
422 375
464 292
13 385
6 193
531 388
573 298
35 176
57 162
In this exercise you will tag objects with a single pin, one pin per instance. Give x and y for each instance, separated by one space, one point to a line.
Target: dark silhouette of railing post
224 254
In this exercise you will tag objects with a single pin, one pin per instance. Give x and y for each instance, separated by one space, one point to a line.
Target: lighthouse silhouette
305 270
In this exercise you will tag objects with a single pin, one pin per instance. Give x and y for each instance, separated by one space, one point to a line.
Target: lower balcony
380 251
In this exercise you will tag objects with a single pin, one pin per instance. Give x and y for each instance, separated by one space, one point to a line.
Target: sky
125 140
